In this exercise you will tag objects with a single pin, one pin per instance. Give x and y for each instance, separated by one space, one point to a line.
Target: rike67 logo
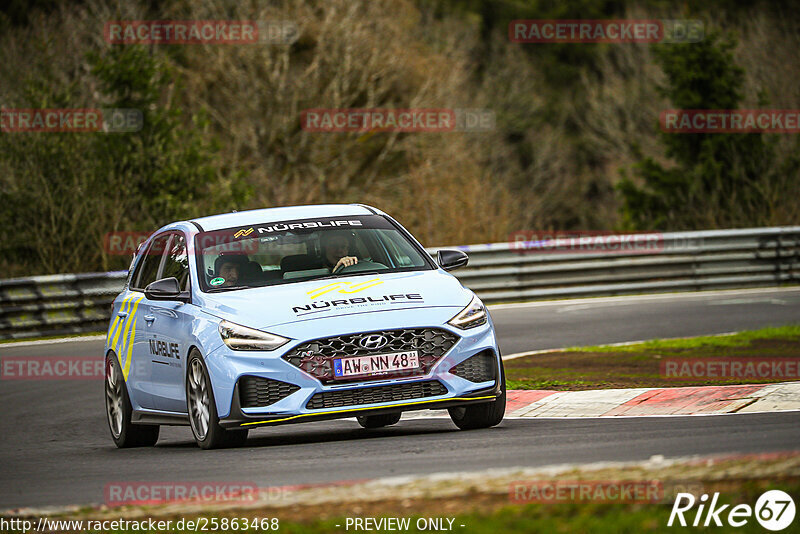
774 510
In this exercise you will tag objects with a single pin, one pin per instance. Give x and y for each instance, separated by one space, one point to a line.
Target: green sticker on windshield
217 281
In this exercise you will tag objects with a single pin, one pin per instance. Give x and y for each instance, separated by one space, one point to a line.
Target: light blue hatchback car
294 314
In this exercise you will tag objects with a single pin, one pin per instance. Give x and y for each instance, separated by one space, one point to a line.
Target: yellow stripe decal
343 287
119 337
111 330
355 288
125 305
368 408
117 320
131 315
127 369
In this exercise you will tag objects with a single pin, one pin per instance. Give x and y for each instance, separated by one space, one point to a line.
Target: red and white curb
695 400
699 400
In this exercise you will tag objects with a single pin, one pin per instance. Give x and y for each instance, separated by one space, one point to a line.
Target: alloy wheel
198 400
114 398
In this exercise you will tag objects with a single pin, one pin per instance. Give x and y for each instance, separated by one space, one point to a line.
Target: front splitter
241 420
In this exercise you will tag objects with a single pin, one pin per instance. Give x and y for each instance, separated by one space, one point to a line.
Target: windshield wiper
229 288
340 274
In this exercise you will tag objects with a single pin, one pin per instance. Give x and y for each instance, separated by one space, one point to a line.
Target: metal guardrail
497 272
57 304
679 261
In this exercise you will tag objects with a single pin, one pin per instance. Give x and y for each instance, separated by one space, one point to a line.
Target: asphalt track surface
55 447
597 321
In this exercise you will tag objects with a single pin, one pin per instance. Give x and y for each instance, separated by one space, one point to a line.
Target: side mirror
166 289
451 259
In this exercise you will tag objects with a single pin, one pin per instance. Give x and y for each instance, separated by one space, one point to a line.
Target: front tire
483 415
202 409
119 411
378 421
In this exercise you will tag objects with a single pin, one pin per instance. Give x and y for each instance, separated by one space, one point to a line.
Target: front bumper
238 419
227 367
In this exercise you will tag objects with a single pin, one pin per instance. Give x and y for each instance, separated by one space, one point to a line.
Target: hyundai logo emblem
373 341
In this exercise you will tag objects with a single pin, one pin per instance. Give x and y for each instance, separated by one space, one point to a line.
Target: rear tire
202 409
378 421
119 411
483 415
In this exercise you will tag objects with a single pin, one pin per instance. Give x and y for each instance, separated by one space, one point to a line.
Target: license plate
377 364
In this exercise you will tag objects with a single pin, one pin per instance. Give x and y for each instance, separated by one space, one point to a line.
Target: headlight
238 337
471 316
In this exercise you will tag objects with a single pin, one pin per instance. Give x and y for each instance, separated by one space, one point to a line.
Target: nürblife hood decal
266 306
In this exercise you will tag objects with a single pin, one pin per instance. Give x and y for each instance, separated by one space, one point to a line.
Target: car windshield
299 250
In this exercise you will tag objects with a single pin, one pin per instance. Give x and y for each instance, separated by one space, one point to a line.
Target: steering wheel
365 265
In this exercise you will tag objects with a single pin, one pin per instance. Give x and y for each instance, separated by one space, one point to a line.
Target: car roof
288 213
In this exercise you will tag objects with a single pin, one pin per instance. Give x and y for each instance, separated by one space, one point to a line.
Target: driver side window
148 268
176 262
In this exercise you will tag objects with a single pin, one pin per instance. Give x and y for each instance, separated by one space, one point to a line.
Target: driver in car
335 250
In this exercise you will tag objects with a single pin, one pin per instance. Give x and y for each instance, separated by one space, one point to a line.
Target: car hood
267 307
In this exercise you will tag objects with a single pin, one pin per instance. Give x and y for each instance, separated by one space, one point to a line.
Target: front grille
255 391
376 395
316 357
478 368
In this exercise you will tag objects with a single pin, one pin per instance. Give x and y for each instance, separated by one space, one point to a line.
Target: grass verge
640 364
487 501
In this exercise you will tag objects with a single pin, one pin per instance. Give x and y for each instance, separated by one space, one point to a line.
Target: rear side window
176 262
148 268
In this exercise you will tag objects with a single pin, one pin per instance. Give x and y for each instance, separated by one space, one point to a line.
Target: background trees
576 143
